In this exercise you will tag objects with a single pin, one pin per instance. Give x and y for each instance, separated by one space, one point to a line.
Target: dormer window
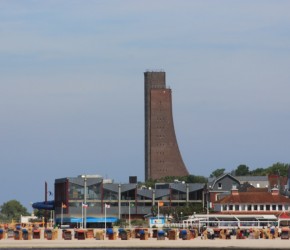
220 185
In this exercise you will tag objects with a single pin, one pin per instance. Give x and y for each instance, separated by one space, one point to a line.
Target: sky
72 86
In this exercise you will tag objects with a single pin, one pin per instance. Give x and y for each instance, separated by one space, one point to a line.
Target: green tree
148 183
196 179
218 172
279 169
39 213
195 208
12 210
258 172
242 170
166 210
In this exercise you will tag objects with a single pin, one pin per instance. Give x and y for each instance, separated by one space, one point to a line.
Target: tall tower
162 155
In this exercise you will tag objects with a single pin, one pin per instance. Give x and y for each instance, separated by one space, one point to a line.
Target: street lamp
84 205
129 214
85 201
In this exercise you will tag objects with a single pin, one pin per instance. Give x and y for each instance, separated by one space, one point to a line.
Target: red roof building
253 202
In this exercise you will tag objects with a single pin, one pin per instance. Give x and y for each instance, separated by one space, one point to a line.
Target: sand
151 243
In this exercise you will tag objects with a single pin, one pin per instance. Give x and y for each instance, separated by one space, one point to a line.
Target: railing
230 224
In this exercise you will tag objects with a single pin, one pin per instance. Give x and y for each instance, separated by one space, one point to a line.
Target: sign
158 222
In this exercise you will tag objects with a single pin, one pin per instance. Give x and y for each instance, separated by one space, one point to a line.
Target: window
220 185
249 207
76 192
237 207
178 195
110 195
255 207
261 207
280 207
231 207
268 207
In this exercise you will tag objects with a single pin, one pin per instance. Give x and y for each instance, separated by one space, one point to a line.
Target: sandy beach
151 243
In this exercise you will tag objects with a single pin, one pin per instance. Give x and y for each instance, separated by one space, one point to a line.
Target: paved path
148 244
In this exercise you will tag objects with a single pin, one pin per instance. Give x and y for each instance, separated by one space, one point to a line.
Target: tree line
278 168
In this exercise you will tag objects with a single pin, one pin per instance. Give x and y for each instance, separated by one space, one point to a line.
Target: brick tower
162 155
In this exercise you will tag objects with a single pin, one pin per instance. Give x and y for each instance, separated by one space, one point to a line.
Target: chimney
275 191
234 191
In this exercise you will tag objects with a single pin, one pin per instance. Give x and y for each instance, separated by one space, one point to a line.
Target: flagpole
82 215
61 215
158 212
129 215
105 217
50 218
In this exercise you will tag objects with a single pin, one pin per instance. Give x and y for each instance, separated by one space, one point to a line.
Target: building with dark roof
162 155
255 181
121 199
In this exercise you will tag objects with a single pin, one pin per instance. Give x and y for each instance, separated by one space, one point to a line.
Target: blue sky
71 86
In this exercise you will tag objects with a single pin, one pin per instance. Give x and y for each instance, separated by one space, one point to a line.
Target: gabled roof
191 186
115 187
112 187
223 176
284 215
254 198
161 192
178 186
195 186
126 187
89 182
145 193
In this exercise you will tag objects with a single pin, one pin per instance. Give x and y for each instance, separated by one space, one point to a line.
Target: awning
102 219
89 220
73 220
284 215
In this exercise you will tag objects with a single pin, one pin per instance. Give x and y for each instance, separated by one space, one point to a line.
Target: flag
85 205
107 205
161 203
63 205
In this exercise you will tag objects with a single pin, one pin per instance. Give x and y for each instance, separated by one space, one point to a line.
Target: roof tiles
254 197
